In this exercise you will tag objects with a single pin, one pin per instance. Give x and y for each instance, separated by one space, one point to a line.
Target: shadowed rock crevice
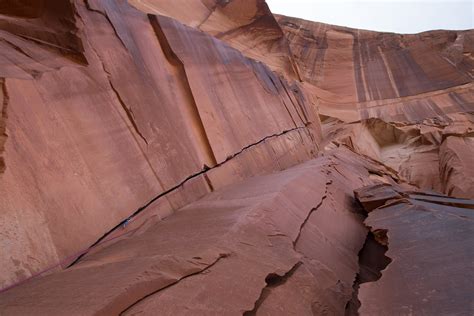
179 185
414 226
272 280
128 110
104 14
372 262
22 8
305 221
44 25
3 122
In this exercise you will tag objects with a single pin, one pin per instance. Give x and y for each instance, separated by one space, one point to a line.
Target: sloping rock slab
430 241
226 253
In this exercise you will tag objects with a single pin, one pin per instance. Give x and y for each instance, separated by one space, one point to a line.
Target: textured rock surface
297 225
429 241
200 157
361 66
98 143
247 25
433 153
407 100
361 74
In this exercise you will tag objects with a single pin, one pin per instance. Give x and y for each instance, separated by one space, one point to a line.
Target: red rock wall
156 102
134 128
278 243
375 66
418 88
247 25
361 74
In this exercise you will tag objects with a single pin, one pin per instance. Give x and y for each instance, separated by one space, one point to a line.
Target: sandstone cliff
200 157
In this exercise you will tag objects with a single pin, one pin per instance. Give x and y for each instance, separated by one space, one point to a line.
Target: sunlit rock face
200 157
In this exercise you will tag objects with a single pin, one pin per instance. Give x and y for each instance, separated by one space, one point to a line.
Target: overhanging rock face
201 156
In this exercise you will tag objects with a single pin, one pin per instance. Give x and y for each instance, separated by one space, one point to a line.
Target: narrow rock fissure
194 114
123 106
272 280
128 111
211 11
323 198
3 122
372 261
307 219
221 256
164 193
88 6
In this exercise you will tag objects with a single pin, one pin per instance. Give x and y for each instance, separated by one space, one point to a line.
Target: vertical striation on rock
365 65
110 135
456 161
247 25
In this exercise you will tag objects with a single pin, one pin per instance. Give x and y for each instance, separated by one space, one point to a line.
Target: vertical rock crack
3 123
